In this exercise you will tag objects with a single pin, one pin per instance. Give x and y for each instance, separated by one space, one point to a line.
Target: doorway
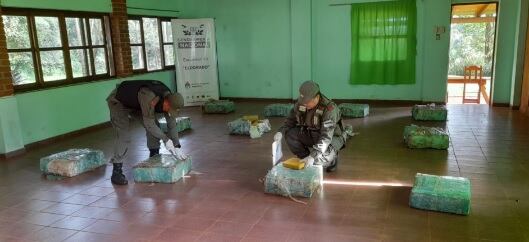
471 57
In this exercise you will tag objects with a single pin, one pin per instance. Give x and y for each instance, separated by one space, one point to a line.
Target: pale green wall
329 52
332 53
76 5
301 43
253 39
168 6
10 130
53 112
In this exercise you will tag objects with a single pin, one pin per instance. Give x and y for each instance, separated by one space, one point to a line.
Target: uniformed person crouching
314 130
146 100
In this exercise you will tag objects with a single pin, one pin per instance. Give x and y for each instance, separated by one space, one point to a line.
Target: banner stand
195 60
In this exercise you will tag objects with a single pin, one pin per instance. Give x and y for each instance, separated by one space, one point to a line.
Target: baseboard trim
251 99
54 139
366 101
12 154
68 135
504 105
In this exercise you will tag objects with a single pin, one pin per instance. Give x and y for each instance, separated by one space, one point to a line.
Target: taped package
293 183
182 123
161 169
353 110
441 193
418 137
72 162
430 112
278 110
218 106
254 129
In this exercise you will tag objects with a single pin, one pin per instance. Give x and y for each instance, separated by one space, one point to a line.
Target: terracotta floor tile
222 200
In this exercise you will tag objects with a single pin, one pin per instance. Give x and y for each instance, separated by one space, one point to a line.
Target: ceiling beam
482 9
473 20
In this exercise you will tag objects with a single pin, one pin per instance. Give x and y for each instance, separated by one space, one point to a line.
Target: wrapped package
418 137
294 164
353 110
278 110
182 123
218 106
244 127
72 162
293 183
251 118
430 112
161 169
441 193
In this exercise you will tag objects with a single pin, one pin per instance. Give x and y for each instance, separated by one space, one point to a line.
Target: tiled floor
222 200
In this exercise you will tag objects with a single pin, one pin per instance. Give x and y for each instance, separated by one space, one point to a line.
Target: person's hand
179 154
309 161
278 136
169 145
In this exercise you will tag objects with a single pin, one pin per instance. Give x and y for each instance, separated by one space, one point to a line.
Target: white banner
195 60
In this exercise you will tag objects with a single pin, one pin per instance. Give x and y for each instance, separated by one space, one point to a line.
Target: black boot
117 175
153 152
333 166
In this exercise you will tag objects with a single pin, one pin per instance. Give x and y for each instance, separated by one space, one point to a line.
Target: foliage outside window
471 44
151 43
48 48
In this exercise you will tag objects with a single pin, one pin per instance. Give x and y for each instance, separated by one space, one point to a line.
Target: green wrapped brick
182 124
441 193
161 169
278 110
218 106
72 162
430 112
244 127
353 110
293 183
418 137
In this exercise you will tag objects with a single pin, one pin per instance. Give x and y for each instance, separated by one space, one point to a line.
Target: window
48 48
151 43
383 42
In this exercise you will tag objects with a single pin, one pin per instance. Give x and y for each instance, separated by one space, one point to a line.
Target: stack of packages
351 110
218 106
162 169
249 125
441 193
182 123
430 112
418 137
292 179
278 110
72 162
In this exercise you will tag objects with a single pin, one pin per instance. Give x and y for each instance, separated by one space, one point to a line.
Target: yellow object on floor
294 163
251 118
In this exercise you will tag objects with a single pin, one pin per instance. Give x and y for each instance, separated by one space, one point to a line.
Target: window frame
87 46
142 44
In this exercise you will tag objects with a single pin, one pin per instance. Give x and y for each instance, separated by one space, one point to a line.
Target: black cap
307 91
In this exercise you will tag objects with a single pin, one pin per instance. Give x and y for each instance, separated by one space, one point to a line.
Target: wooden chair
473 75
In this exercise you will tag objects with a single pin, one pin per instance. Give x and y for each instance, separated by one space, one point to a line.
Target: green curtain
383 44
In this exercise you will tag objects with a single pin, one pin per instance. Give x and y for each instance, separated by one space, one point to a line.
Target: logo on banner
188 85
193 30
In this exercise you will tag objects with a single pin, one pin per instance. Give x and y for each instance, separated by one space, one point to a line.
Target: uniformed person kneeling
314 130
146 100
